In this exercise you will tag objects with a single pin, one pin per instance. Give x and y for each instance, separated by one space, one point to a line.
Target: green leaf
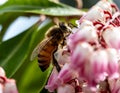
31 79
89 3
5 21
14 52
39 7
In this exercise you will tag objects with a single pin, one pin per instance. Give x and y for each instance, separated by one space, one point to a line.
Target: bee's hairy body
44 56
53 37
46 53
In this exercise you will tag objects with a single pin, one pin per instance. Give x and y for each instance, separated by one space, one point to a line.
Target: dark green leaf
31 79
39 7
6 20
14 52
89 3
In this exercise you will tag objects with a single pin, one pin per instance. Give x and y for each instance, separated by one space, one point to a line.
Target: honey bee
45 50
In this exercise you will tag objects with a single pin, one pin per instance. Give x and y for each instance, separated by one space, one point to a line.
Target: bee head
63 26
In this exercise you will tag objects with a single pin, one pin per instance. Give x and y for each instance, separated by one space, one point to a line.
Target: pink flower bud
112 37
83 23
66 89
10 86
105 5
52 84
66 74
87 89
112 63
87 32
80 54
62 56
115 85
91 54
2 76
98 65
94 14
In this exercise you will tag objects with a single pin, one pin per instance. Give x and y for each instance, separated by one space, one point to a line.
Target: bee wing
39 47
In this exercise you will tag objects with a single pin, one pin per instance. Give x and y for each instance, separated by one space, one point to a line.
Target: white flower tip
49 88
111 37
2 72
86 23
66 89
114 76
10 86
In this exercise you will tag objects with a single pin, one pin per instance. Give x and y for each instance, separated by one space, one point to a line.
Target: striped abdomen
45 55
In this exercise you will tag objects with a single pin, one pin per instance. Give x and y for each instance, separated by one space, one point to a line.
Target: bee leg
63 43
55 63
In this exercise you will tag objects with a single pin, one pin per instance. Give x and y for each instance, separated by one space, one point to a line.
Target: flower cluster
7 85
90 60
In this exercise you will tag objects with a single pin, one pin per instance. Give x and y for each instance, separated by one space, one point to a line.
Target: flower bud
52 84
99 64
112 37
66 74
80 55
10 86
66 89
112 63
